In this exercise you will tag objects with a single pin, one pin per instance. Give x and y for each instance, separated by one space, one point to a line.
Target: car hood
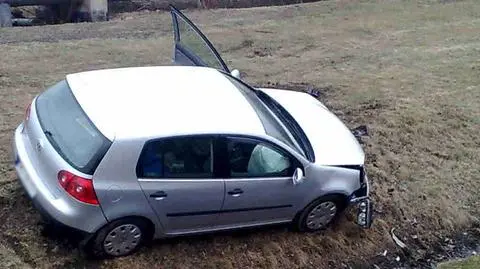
332 142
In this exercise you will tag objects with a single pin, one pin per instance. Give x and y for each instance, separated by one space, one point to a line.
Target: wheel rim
122 239
321 215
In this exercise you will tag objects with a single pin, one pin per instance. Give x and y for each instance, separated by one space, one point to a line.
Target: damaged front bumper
361 199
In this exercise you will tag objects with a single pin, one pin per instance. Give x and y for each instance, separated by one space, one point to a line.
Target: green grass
469 263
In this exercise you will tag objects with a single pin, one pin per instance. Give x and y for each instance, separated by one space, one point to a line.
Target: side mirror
235 73
297 176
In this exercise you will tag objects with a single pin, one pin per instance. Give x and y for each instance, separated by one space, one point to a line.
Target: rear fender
117 187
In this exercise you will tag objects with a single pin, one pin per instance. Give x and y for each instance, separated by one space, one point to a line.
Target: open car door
191 45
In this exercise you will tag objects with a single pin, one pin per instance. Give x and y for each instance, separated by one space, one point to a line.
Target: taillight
78 187
27 112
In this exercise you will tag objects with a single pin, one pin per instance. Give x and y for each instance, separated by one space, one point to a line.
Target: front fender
325 180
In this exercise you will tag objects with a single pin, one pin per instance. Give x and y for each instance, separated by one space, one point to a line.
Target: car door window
190 40
248 158
192 44
185 157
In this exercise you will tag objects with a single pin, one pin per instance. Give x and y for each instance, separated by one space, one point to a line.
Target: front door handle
159 195
235 192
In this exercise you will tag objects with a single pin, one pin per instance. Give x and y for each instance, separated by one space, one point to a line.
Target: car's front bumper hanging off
361 199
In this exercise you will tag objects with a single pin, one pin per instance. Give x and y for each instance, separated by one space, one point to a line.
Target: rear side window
180 157
69 130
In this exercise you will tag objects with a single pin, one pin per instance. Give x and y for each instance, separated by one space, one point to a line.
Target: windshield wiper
47 132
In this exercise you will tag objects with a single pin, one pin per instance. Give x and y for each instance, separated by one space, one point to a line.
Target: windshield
69 130
281 124
290 123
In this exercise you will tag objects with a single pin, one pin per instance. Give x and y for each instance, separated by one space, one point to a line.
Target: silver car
131 154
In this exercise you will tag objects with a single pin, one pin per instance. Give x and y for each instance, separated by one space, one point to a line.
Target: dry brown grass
408 69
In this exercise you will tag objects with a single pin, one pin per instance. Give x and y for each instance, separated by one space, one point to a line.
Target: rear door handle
235 192
159 195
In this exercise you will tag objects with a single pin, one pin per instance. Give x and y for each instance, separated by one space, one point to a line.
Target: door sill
225 228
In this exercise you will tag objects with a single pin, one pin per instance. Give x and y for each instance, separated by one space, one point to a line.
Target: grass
407 69
470 263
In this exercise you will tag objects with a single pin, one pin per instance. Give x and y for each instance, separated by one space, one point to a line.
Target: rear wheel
320 213
120 238
5 15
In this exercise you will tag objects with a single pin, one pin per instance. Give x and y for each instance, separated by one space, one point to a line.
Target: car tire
5 15
120 238
330 206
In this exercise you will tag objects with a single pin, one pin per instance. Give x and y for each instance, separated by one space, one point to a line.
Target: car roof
150 102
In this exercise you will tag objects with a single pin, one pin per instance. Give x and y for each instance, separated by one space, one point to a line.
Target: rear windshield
69 130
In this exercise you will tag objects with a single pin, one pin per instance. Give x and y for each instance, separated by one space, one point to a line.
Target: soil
408 70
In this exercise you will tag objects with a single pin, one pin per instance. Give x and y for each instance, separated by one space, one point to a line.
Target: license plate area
24 177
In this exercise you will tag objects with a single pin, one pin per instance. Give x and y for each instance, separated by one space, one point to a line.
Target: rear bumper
60 209
361 199
51 222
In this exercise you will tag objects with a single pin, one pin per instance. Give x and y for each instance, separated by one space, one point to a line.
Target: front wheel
320 213
120 238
